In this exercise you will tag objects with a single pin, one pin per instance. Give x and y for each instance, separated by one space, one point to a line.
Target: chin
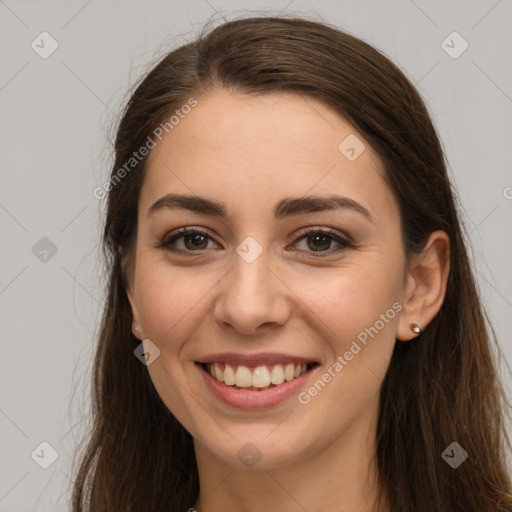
261 446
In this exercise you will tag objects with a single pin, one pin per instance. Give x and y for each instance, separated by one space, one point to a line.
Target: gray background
56 115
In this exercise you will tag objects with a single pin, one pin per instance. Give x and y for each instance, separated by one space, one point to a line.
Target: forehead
250 152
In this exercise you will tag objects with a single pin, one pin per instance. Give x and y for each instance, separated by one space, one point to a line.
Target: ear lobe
136 327
129 289
426 285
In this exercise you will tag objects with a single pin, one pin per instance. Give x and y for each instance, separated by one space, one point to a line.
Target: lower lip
252 399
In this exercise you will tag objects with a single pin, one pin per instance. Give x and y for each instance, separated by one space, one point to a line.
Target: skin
249 153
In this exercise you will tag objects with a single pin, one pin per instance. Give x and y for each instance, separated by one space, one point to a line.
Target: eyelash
172 237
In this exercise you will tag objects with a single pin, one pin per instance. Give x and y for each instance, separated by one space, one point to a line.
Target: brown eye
193 240
320 241
317 241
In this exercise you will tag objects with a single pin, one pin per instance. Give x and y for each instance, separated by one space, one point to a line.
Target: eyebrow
284 208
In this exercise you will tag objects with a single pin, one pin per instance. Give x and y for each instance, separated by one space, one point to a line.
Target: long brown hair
442 388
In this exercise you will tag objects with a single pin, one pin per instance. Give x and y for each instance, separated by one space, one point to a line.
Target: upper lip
253 359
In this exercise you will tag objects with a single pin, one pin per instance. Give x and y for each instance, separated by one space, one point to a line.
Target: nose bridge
251 294
251 270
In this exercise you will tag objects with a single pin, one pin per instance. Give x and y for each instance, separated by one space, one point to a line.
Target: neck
341 477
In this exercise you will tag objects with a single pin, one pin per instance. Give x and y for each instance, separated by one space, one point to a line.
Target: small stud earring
136 326
415 328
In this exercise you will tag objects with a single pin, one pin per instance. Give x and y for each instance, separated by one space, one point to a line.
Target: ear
425 287
128 269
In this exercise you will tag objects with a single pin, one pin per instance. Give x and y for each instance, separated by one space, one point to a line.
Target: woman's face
269 284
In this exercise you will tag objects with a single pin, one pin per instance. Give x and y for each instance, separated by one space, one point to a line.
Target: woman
292 321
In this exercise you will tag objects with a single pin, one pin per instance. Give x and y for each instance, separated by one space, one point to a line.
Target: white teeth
219 375
229 375
277 374
289 372
259 377
243 377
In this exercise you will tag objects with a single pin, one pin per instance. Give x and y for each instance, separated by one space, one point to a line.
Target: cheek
349 303
170 302
356 314
171 305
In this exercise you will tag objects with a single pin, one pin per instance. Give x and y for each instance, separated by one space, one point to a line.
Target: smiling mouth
256 378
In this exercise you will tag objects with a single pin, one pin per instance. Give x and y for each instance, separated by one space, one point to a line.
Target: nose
252 297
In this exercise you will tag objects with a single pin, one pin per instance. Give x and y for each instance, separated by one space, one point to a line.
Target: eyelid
342 239
329 231
178 233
